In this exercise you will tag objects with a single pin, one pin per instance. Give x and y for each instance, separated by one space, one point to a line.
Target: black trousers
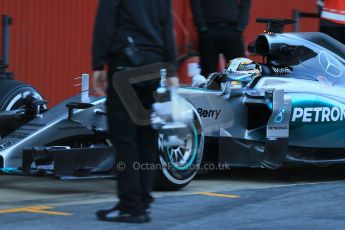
135 145
336 32
226 40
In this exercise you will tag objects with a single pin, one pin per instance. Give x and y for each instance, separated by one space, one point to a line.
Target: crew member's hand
100 83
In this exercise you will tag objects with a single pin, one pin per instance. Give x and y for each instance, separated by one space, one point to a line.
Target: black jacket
208 12
148 22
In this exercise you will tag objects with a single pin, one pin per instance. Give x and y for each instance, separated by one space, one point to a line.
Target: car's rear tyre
179 165
15 95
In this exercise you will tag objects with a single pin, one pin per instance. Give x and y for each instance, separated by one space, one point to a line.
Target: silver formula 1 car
292 114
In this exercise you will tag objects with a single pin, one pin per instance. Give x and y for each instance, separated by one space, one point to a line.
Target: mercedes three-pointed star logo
330 64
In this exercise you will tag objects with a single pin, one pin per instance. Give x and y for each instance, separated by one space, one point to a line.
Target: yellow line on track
35 209
217 194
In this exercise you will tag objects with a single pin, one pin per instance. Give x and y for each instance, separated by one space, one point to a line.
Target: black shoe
107 215
129 218
120 216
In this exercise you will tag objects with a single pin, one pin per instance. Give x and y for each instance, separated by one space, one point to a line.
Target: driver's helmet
244 66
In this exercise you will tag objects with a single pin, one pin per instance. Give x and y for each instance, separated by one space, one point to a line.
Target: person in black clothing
127 34
220 25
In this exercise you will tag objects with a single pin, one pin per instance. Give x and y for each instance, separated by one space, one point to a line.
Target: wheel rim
181 157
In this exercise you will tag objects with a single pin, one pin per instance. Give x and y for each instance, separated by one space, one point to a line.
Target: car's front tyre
179 164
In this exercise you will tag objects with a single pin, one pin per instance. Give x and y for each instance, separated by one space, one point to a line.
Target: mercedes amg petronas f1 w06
292 113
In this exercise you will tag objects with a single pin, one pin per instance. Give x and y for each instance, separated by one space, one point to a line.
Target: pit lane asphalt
308 198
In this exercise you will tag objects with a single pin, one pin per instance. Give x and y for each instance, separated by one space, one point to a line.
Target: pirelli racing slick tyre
16 95
179 164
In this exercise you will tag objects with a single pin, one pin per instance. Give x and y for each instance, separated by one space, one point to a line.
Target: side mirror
226 88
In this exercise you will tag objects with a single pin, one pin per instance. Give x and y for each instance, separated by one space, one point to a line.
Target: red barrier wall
51 39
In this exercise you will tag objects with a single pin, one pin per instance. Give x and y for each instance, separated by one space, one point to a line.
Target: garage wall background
51 39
